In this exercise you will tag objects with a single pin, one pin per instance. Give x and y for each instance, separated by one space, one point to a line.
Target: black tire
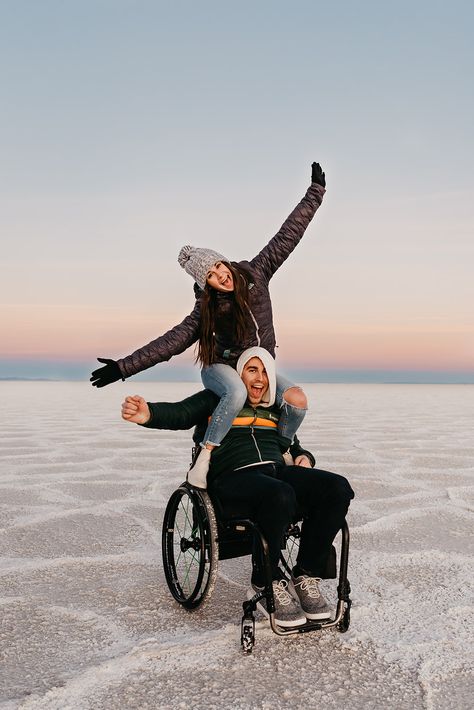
189 546
290 552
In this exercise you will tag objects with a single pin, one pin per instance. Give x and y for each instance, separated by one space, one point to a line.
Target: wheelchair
196 535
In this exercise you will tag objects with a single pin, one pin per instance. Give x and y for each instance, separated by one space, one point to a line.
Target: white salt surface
87 620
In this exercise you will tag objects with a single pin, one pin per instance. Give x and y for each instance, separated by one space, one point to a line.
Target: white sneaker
197 474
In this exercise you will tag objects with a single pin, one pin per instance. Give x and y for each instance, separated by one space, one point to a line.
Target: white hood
269 364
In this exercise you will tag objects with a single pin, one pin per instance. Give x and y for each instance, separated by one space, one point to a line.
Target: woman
233 312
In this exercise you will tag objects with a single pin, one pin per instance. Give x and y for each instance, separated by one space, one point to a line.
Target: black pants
273 496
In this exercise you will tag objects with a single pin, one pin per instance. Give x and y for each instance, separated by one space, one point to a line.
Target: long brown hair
206 347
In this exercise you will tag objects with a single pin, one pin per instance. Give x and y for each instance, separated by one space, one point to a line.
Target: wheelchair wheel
190 550
289 553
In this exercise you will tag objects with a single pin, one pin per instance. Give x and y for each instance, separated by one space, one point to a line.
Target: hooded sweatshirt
268 362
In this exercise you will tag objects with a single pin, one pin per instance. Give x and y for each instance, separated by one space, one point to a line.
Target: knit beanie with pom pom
197 262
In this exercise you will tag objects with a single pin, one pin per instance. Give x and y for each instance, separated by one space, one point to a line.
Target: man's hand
303 461
317 175
106 375
136 410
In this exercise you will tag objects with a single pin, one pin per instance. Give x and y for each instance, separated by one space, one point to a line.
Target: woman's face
220 277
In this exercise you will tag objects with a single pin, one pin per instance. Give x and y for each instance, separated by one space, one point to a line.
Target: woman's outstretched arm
272 256
174 341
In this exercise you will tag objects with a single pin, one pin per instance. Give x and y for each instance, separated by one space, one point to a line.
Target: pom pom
184 255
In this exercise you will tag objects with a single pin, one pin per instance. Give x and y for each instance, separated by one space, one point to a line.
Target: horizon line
448 379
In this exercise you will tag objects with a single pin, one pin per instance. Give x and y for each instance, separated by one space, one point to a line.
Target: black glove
106 375
317 175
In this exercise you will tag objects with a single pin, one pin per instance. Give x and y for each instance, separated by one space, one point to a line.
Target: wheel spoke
186 512
289 555
193 559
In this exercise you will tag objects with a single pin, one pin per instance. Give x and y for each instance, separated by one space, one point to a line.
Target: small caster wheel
345 622
247 638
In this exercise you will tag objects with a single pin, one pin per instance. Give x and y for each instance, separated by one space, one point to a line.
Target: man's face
255 378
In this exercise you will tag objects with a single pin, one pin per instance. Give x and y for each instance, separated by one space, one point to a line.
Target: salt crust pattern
87 621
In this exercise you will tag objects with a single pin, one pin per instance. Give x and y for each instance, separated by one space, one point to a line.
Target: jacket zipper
252 434
255 324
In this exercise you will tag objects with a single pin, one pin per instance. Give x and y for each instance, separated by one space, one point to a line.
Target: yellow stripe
248 421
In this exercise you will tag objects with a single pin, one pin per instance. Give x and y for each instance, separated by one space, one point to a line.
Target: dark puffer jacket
260 318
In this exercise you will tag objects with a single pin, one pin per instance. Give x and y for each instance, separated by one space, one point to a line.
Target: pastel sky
130 128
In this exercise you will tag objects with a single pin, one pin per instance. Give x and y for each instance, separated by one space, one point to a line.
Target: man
250 478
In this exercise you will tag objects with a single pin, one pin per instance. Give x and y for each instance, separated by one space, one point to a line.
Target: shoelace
281 593
310 585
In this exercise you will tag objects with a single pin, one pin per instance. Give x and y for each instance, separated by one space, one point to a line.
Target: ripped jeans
225 382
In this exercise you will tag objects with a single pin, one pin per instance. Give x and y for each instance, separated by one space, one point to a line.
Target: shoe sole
318 617
279 622
195 485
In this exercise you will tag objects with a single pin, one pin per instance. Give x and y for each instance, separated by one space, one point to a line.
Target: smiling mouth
226 282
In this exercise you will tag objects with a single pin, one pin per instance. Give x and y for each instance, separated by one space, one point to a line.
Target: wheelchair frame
193 540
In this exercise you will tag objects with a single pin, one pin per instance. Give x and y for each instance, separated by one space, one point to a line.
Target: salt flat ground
86 618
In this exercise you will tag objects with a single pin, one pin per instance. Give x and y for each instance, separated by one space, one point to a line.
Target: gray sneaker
312 601
288 611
